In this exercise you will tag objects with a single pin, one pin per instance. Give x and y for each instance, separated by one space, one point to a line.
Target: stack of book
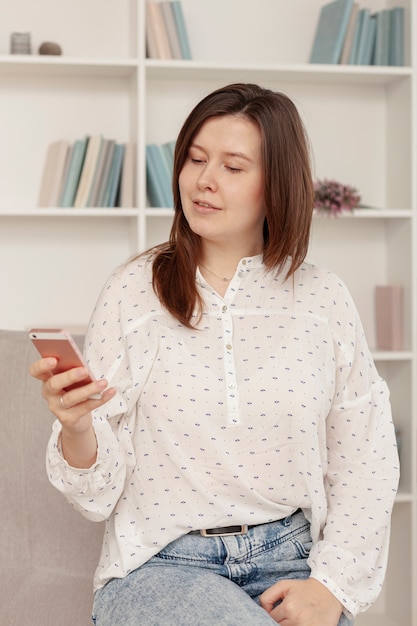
166 33
349 34
159 165
91 172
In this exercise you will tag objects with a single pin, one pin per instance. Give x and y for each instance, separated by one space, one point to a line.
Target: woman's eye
234 170
194 160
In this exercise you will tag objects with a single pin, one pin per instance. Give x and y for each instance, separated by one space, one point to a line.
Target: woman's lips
204 207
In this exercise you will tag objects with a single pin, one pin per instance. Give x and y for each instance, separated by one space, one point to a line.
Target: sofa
48 551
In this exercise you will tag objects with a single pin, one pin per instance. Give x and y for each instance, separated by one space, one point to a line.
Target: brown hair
289 193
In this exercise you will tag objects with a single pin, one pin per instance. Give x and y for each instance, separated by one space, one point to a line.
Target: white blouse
274 403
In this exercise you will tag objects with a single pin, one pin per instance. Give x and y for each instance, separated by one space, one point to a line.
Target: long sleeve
362 474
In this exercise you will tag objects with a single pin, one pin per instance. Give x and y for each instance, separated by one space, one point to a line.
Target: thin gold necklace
222 278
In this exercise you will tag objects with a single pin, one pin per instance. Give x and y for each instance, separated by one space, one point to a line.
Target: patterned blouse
272 404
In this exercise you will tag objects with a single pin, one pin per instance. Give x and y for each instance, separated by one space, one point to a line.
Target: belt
241 529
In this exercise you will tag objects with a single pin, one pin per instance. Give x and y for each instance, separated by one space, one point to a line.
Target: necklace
222 278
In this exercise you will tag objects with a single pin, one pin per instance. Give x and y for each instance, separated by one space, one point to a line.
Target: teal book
74 172
166 165
181 29
367 39
105 173
113 181
397 36
382 37
98 175
154 182
331 32
353 59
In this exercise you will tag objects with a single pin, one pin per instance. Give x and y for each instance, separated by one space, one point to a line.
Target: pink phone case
58 343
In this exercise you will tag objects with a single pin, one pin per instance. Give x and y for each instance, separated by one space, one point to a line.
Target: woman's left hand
301 603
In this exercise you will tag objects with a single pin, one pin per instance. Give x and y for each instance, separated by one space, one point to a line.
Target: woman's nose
207 178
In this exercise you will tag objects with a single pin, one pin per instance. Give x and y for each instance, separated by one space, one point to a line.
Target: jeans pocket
303 548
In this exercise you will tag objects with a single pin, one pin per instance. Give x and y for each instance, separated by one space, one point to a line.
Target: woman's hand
72 408
301 603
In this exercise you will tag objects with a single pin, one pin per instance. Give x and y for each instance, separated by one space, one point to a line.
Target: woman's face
221 184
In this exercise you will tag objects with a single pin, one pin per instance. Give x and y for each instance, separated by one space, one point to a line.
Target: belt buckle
242 529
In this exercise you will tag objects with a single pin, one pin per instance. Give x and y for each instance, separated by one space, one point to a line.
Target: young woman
243 453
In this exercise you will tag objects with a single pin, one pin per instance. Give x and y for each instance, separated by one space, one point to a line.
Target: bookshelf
361 120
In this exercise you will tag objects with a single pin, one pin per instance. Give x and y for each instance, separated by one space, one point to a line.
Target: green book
74 172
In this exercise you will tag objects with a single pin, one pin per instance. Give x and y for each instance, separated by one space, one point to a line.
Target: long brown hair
289 193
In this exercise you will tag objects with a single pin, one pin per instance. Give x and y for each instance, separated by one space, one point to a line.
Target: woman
242 453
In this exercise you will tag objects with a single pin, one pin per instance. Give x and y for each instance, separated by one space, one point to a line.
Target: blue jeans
209 581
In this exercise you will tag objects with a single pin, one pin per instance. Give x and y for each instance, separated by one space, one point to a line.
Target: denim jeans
209 581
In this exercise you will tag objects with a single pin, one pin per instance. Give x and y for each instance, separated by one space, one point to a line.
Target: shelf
394 355
305 73
38 65
371 213
71 212
404 498
378 214
375 619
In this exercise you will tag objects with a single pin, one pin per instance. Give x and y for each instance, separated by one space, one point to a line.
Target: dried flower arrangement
333 197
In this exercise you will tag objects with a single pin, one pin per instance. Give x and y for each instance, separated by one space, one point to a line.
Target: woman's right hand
72 408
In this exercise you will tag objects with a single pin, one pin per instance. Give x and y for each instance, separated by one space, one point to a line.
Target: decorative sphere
49 47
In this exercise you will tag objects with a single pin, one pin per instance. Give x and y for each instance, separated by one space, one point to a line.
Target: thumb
269 598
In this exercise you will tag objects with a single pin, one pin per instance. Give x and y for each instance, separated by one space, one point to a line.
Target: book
353 59
367 38
382 37
157 37
389 317
113 180
168 149
397 36
154 182
128 176
87 173
350 32
331 31
74 171
181 29
106 172
171 29
98 174
166 164
53 173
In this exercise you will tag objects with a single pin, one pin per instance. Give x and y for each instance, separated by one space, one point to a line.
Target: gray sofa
48 552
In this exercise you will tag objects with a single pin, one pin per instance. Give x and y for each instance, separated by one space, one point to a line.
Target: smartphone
58 343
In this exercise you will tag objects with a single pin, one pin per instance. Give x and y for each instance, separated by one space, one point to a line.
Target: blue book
74 173
154 182
113 181
166 171
331 31
367 39
397 36
353 59
382 38
101 192
181 29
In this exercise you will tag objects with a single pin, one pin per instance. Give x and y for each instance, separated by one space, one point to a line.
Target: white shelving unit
362 125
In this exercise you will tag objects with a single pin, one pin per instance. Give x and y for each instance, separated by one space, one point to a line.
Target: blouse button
244 262
224 308
228 346
232 385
